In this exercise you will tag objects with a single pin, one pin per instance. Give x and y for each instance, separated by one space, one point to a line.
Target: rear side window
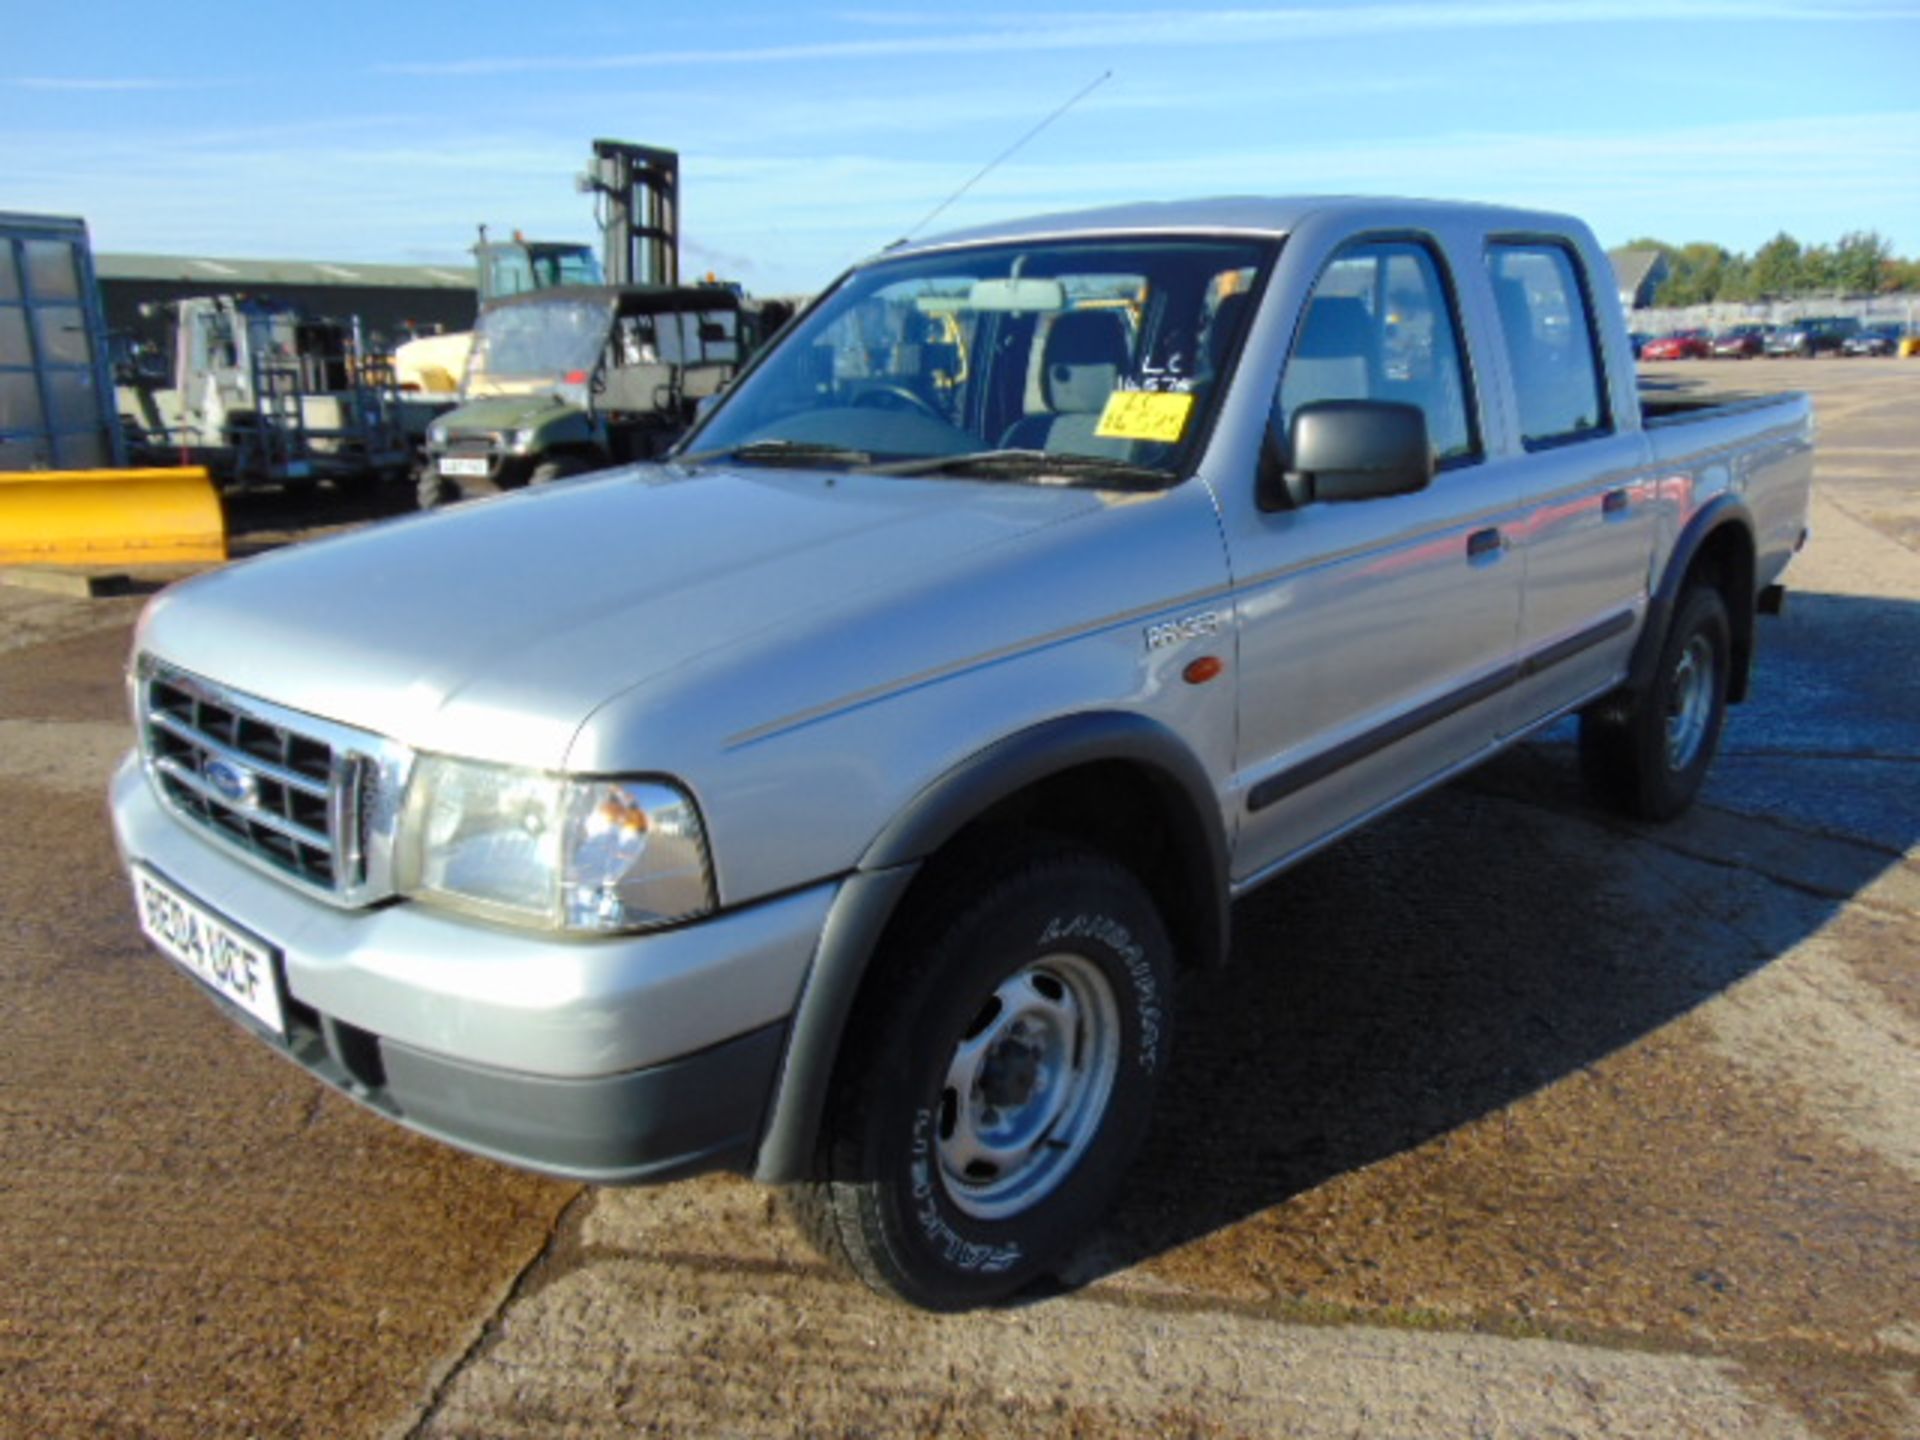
1548 327
1380 326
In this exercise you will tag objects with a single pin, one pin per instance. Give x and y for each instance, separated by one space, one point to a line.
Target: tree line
1862 262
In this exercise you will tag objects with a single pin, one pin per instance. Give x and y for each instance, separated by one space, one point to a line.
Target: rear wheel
992 1097
1649 758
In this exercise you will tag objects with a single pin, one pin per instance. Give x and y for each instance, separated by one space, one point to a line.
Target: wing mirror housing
1340 450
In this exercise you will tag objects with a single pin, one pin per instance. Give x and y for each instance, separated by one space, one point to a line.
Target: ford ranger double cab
838 800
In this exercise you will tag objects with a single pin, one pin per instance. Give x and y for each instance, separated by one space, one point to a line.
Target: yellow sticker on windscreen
1145 415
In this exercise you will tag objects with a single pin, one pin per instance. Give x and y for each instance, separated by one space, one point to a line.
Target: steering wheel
884 396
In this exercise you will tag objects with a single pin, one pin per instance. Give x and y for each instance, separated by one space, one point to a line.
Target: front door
1376 636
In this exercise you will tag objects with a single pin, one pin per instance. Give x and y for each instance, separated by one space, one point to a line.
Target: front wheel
558 467
431 490
993 1094
1650 758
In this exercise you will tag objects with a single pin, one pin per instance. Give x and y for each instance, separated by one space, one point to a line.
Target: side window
1379 327
1550 342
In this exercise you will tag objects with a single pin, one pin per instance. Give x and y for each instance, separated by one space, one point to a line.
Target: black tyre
1648 758
996 1087
558 467
432 489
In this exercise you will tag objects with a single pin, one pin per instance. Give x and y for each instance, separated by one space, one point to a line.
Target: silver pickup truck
838 801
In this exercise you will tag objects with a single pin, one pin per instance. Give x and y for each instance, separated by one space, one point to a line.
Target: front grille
263 786
301 796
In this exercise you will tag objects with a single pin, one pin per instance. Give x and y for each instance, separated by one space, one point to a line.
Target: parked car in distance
1813 336
1740 342
1873 340
1680 345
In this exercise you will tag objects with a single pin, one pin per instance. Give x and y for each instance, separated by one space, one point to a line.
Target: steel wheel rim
1027 1086
1689 703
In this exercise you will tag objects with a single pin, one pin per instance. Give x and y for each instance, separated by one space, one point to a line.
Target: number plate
463 465
230 962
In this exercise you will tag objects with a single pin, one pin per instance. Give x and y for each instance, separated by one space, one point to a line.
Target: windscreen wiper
778 452
1025 464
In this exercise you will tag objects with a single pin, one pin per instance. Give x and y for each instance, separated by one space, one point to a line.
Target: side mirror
1346 450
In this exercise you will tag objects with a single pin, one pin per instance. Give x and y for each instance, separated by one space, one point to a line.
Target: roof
1633 268
634 299
1244 214
205 270
13 220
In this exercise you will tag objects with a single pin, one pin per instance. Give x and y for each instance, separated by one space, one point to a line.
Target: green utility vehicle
577 378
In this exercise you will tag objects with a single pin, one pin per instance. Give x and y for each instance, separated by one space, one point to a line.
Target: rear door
1592 504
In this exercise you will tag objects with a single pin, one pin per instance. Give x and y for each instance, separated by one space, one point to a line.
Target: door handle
1614 502
1484 542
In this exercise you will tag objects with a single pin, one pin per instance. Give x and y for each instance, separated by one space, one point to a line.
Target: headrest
1086 351
1516 313
1338 327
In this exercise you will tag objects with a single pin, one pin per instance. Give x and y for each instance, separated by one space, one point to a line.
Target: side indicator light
1207 667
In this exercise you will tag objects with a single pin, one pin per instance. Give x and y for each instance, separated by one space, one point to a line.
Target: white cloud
783 221
104 83
1106 32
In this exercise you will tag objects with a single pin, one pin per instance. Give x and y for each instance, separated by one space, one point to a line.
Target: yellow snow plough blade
110 517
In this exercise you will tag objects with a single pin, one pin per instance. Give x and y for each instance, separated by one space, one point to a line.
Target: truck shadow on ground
265 519
1479 946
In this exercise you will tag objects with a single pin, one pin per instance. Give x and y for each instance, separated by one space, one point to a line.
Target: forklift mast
637 190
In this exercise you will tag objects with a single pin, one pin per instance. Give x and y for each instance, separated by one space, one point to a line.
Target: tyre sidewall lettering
1144 990
964 1245
972 1256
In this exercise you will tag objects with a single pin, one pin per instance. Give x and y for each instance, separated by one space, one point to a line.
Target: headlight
553 853
437 435
521 440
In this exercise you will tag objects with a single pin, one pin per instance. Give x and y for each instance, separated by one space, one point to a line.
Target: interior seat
1086 353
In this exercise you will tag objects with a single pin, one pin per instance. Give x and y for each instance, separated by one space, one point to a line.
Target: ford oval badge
233 784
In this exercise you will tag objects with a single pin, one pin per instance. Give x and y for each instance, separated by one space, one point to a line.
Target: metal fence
1903 309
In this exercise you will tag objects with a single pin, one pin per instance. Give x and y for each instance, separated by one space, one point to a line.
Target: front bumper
613 1060
504 464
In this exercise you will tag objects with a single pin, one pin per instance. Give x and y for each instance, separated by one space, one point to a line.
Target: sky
811 137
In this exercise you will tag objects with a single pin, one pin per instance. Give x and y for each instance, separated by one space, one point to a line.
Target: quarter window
1379 327
1550 343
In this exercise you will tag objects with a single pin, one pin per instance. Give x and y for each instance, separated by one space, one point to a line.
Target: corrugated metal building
392 301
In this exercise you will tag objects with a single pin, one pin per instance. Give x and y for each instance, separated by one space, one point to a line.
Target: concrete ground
1514 1120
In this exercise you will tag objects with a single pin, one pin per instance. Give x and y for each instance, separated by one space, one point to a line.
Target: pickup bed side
1750 463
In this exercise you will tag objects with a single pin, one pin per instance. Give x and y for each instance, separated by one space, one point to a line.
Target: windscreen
1113 349
553 340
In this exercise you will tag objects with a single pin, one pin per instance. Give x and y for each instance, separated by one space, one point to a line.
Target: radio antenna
1006 154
